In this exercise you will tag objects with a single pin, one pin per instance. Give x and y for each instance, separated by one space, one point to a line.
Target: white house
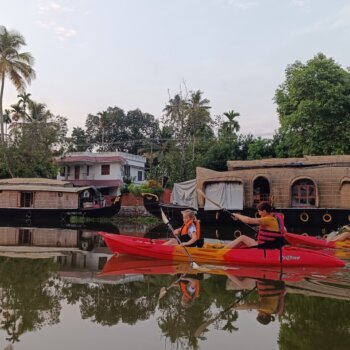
106 170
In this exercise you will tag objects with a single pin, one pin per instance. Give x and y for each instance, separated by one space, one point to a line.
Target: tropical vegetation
313 106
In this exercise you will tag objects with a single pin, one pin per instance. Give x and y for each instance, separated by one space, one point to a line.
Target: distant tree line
313 105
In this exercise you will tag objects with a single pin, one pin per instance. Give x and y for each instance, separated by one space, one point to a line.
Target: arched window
261 190
304 193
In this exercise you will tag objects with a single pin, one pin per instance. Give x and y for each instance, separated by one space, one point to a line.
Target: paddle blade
331 235
164 218
162 292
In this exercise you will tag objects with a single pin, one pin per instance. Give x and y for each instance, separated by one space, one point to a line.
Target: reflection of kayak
315 242
125 265
211 253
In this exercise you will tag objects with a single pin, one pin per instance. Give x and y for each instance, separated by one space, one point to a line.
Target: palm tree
7 118
15 65
23 101
233 125
17 112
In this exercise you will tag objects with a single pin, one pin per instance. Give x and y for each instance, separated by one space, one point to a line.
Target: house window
68 170
139 176
105 169
87 170
63 171
303 193
127 170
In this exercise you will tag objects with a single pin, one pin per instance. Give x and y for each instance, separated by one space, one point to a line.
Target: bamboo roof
306 161
41 188
34 181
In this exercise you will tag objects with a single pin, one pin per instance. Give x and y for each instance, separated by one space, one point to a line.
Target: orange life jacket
183 287
185 227
267 235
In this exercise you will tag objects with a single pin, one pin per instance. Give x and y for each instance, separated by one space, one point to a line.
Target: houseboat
36 200
313 191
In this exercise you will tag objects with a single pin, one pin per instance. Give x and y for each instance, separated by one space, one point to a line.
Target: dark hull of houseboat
314 220
60 217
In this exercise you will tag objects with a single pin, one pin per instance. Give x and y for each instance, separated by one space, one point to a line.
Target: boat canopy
185 193
228 195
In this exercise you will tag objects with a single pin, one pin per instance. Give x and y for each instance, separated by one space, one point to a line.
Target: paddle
164 290
220 207
166 221
205 325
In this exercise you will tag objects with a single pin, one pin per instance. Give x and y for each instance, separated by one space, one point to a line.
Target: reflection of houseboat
310 191
40 200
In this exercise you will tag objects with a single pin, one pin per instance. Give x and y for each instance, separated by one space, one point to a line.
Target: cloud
46 7
64 33
342 18
53 12
299 3
240 4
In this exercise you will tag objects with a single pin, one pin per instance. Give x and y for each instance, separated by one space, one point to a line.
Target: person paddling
189 232
271 229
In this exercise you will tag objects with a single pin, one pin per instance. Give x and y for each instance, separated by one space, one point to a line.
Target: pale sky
91 54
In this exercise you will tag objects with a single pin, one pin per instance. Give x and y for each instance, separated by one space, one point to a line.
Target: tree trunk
1 112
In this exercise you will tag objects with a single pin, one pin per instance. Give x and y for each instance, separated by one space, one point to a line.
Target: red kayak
217 254
314 242
126 265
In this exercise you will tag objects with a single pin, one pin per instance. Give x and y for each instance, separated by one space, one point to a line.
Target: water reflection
181 306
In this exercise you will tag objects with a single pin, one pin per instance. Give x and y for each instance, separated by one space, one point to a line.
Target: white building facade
103 170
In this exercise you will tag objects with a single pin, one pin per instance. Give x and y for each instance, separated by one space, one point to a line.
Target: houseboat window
261 190
27 199
303 193
25 236
63 171
87 170
68 170
60 194
105 169
139 176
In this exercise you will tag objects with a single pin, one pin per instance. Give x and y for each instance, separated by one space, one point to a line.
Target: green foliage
313 105
112 130
35 139
78 141
188 119
151 186
15 65
261 148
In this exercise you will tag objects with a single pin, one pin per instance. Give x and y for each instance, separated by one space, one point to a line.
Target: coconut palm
15 65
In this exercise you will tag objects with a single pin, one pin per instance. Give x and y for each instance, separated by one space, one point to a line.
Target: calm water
89 299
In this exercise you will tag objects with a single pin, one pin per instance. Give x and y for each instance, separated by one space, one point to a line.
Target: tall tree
189 118
15 65
313 105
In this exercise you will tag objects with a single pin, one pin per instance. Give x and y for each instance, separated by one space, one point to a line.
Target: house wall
136 163
12 199
9 236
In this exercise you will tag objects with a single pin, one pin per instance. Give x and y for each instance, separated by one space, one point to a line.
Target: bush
151 186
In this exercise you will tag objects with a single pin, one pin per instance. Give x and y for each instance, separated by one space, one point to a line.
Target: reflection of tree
323 324
109 304
29 296
179 324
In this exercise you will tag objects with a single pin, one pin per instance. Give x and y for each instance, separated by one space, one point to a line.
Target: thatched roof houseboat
37 200
310 191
